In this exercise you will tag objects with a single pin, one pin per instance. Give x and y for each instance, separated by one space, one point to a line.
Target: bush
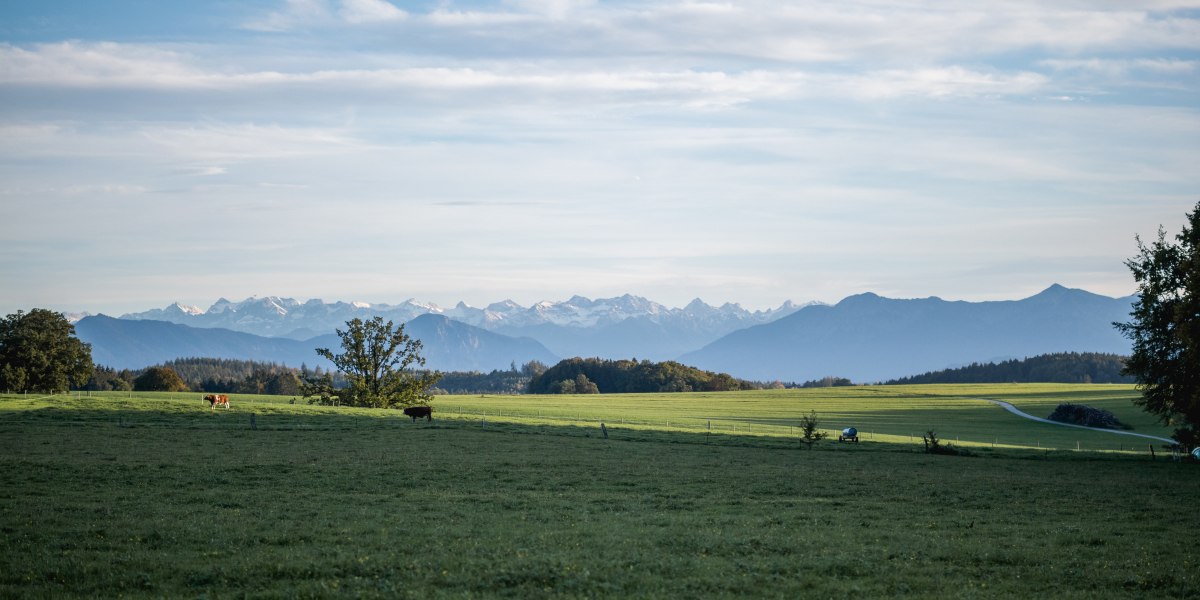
1078 414
935 446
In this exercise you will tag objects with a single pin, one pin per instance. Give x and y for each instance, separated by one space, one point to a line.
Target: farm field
155 495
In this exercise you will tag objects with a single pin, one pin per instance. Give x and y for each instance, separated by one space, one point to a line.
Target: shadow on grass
332 419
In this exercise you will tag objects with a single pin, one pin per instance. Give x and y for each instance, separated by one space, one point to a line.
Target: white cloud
118 66
293 14
887 32
1119 67
553 9
940 82
370 11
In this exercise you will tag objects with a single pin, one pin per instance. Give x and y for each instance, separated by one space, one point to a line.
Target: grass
158 496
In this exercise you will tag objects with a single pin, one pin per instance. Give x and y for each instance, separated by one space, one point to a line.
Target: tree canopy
159 379
1165 328
39 352
377 361
596 375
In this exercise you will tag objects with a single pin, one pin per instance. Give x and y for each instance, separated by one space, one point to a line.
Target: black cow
416 412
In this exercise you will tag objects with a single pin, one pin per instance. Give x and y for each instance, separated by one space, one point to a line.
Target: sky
155 151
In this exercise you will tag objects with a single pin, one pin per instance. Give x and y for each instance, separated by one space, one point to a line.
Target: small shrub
935 446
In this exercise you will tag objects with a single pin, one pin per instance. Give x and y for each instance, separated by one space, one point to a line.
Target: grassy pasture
892 414
158 496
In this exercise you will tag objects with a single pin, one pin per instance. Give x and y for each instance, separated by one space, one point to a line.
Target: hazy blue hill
638 336
654 338
129 344
869 338
448 345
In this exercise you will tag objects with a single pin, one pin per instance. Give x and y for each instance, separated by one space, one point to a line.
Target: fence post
604 430
253 423
1152 457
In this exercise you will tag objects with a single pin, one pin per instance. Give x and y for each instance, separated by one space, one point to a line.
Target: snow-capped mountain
617 327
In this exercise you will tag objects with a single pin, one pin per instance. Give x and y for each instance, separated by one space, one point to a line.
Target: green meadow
690 495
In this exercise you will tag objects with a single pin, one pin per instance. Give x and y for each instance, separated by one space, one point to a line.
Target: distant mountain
869 338
621 327
452 346
448 345
128 344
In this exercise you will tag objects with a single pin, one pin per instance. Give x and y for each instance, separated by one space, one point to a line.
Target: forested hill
601 376
1062 367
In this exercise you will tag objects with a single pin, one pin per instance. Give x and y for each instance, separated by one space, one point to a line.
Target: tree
39 352
584 386
1165 329
809 434
376 361
159 379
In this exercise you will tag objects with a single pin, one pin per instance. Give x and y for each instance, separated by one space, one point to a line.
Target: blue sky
754 152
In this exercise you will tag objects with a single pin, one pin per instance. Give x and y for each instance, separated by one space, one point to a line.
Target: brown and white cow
215 400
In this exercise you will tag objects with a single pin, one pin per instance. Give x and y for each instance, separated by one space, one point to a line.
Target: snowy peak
186 309
286 317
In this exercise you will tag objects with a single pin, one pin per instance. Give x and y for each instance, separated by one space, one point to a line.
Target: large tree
377 361
39 352
1165 328
159 379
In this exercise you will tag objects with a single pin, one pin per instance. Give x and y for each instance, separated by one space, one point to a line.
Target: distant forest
571 376
214 375
231 376
1064 367
594 376
601 376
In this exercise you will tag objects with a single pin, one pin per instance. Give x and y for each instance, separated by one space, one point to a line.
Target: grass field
151 495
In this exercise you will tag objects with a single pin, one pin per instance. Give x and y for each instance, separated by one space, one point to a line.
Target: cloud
118 66
304 14
939 82
370 11
293 14
885 32
1119 67
187 143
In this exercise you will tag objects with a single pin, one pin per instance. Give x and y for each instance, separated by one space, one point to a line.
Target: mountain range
869 338
447 345
865 337
620 327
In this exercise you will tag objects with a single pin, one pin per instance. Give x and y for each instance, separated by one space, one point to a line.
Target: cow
215 400
416 412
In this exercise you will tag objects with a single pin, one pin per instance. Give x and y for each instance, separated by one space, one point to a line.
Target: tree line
213 375
1060 367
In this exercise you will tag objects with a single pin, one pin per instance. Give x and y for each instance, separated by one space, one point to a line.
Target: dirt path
1016 411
